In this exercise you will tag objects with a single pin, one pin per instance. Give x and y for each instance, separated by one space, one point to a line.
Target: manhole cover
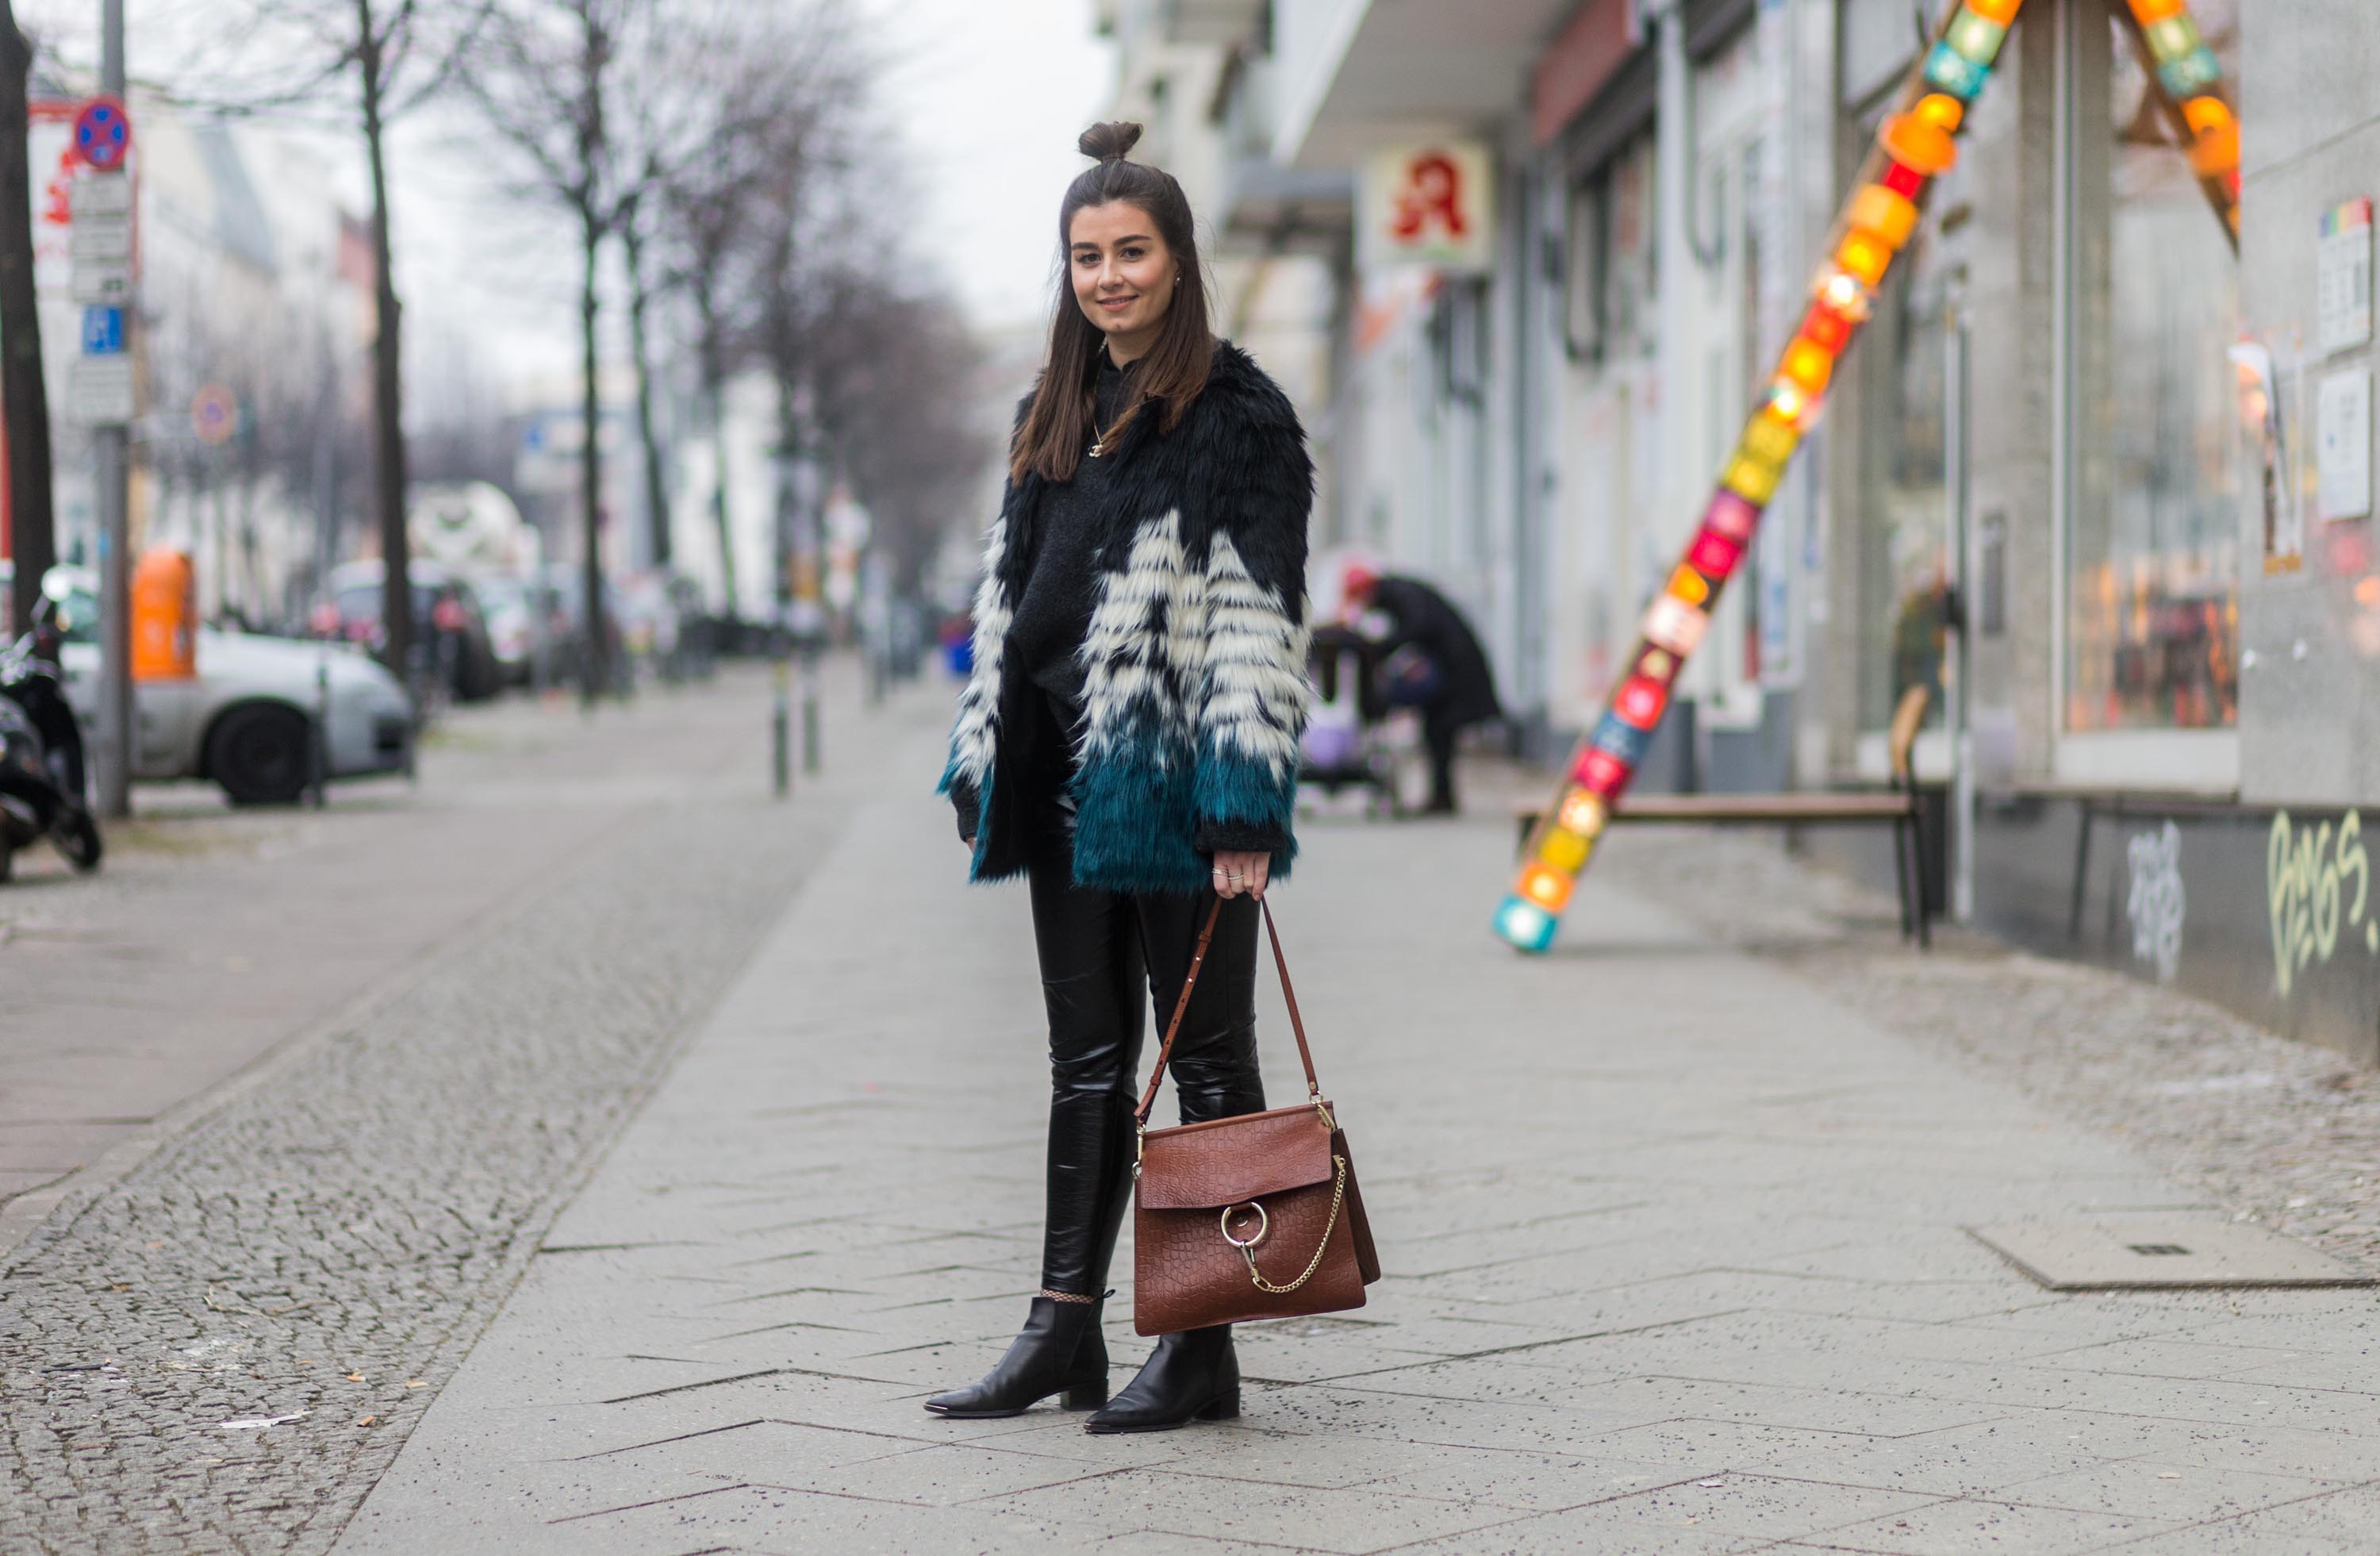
2168 1252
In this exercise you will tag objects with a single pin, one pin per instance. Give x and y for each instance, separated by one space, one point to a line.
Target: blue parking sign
103 332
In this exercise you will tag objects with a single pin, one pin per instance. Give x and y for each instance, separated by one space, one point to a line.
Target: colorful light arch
1917 145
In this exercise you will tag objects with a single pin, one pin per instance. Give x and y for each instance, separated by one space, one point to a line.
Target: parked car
449 626
247 719
512 625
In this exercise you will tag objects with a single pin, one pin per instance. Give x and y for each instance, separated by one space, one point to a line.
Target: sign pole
111 443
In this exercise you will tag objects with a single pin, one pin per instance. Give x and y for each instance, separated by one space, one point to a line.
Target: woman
1127 741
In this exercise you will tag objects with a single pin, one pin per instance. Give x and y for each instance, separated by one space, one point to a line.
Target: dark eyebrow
1130 237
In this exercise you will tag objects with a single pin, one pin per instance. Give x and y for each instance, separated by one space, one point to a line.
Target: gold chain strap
1337 1195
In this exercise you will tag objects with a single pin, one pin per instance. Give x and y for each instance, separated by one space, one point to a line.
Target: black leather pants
1101 954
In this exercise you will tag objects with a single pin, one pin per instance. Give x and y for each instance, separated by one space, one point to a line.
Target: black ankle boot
1059 1351
1194 1376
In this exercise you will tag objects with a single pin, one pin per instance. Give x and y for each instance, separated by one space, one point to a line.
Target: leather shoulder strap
1190 981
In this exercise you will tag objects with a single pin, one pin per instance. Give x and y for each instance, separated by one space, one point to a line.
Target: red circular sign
214 414
102 134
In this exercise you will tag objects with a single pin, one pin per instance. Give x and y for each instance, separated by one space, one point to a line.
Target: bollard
781 732
318 752
810 713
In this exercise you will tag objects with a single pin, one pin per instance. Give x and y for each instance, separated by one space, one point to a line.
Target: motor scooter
41 768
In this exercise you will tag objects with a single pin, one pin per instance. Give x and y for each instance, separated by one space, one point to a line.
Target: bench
1901 808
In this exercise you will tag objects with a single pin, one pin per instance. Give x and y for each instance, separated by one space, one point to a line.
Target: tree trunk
657 510
388 383
24 397
591 462
714 388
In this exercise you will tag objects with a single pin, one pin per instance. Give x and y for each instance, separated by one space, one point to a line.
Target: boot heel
1226 1408
1086 1396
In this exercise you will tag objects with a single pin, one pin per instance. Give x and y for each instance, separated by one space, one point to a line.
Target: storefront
2166 653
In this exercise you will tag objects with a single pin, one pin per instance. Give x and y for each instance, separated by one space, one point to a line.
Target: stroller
1348 741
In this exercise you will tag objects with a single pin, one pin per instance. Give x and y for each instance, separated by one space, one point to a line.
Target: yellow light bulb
1808 365
1765 437
1564 851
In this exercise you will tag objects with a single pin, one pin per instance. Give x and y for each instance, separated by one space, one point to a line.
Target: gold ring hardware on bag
1264 1224
1248 1248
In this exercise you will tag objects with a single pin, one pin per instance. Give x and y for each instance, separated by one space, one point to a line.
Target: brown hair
1060 420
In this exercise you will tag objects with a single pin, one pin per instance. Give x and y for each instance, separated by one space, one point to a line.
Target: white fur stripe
975 733
1145 633
1255 687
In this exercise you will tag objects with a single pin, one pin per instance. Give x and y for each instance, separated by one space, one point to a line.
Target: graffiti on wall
2318 890
2156 905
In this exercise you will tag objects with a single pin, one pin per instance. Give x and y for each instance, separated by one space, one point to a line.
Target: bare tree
24 400
376 60
545 78
712 122
892 378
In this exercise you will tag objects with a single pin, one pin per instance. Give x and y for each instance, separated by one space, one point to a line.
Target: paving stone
1942 1528
2141 1488
1351 1519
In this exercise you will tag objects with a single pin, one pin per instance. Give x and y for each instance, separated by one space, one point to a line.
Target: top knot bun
1109 142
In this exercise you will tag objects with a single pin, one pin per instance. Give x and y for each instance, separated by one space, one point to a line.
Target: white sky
988 95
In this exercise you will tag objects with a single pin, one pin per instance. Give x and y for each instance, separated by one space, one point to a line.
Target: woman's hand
1237 872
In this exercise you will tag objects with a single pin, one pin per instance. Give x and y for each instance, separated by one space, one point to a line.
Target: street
588 1153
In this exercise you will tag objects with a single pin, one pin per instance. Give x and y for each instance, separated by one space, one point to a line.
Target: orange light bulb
1921 147
1941 110
1582 813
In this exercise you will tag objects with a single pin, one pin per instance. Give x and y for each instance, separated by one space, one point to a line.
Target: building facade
2094 475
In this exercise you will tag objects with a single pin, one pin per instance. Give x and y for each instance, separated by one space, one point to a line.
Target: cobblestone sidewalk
1674 1241
323 1247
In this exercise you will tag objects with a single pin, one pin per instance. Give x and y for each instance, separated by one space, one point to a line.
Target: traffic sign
214 414
99 389
103 332
102 134
104 281
100 241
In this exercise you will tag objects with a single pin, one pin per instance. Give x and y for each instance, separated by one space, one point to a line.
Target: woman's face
1124 275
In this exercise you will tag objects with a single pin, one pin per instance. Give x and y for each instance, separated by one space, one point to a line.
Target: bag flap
1229 1161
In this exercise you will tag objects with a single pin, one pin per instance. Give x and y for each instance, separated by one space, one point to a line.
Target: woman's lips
1118 302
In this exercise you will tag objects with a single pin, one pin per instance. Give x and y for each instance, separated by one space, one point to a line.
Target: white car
245 721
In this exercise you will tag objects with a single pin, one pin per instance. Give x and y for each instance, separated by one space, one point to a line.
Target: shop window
2153 552
1905 565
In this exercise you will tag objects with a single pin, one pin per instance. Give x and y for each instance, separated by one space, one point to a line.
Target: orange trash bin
164 618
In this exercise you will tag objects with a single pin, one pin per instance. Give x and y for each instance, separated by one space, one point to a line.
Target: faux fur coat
1195 688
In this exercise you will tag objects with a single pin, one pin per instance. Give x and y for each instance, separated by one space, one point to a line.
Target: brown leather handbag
1253 1217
